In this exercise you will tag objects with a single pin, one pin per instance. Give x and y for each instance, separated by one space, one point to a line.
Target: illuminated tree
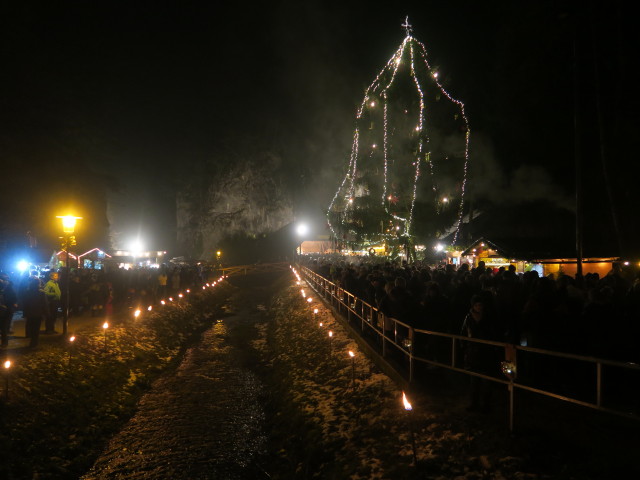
407 170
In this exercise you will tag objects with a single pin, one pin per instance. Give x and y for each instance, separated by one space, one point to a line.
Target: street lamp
68 227
302 230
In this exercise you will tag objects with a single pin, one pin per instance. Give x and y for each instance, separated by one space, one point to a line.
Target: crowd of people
41 296
589 315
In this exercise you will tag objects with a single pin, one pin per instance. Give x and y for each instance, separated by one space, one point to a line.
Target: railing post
511 406
384 335
599 384
412 337
453 352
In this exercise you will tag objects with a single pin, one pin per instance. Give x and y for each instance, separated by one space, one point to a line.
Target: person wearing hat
8 305
52 291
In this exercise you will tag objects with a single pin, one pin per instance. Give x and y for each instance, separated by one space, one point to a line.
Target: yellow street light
68 227
68 222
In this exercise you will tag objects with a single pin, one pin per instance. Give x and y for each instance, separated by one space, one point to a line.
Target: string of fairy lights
377 96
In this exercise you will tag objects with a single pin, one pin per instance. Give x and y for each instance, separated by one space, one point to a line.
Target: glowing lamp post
302 230
105 327
72 340
353 369
330 342
408 408
68 227
7 366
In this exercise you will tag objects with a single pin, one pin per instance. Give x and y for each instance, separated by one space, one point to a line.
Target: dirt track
205 420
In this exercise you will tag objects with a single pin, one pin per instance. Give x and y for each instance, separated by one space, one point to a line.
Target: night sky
135 94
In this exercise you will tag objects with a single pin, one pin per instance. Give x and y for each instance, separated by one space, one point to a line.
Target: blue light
22 265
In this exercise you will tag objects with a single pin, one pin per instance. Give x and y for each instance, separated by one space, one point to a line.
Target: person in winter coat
52 291
8 305
478 357
34 308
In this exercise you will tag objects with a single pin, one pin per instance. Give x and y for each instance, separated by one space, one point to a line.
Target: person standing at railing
399 304
478 358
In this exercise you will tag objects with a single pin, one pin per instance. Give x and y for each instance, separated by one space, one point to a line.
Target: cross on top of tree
407 26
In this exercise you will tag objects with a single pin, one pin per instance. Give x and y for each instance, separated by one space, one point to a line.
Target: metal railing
412 343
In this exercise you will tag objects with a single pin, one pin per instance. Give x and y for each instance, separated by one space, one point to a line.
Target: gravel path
203 421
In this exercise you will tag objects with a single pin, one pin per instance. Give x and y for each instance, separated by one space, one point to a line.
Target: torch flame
7 364
351 354
407 405
330 333
137 313
72 338
105 325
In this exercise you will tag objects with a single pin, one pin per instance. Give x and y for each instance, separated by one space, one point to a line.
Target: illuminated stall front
93 259
128 259
59 260
531 258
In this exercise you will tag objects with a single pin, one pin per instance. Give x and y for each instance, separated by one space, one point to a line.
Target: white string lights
406 141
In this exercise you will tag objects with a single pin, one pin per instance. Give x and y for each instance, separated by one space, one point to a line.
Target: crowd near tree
588 315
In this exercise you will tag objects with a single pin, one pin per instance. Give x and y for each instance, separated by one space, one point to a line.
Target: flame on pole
353 369
408 408
105 326
7 366
330 342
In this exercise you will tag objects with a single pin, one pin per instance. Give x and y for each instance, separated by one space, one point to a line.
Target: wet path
205 420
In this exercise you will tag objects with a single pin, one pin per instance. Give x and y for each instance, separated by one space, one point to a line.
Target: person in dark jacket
8 305
35 308
477 358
